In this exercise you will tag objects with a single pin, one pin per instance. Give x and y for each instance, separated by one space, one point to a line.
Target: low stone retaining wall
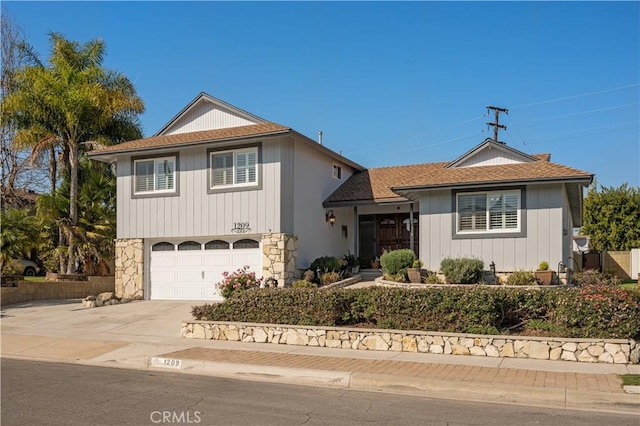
26 291
613 351
384 283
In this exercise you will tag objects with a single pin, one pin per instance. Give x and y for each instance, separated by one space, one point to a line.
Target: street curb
294 376
620 403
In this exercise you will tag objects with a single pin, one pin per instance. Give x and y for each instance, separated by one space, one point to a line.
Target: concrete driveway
67 318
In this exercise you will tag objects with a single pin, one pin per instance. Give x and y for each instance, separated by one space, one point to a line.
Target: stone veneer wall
129 271
279 254
613 351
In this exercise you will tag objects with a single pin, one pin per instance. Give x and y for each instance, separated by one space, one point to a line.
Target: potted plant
375 263
544 275
414 272
353 263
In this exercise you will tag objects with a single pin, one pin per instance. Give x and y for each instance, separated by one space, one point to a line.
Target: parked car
31 268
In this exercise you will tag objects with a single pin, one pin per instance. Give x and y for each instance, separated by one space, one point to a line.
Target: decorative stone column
279 254
129 268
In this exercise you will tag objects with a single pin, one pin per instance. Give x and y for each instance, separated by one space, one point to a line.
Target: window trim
521 231
337 167
156 193
257 148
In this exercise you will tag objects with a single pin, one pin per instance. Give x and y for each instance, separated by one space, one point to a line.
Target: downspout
411 238
356 235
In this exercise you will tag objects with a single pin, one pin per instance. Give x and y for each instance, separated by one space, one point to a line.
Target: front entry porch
385 232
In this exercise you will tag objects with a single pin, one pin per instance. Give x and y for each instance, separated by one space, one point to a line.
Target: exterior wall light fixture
330 217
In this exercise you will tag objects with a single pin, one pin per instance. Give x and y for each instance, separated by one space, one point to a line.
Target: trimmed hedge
396 262
588 312
462 270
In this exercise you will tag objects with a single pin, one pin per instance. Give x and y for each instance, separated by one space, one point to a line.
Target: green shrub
400 277
350 259
432 278
543 266
11 267
589 312
309 275
462 270
330 277
522 278
591 277
238 281
303 284
327 264
397 261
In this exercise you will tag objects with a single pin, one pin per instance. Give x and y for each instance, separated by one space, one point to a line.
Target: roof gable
491 153
208 113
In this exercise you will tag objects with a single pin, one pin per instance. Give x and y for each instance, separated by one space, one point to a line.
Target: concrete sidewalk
146 335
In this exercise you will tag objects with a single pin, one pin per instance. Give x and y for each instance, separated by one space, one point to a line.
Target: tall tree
71 103
612 217
17 171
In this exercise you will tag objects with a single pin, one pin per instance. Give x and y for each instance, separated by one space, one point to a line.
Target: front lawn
630 379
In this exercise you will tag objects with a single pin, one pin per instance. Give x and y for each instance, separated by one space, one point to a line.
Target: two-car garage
190 269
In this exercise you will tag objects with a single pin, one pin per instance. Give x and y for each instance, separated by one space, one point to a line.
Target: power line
370 147
590 130
577 96
516 129
580 113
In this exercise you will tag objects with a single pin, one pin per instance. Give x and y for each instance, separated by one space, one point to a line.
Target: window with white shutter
489 212
234 168
156 175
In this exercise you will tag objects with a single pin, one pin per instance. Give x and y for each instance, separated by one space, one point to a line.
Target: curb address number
166 362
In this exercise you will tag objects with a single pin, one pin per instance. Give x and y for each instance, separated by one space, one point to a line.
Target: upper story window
234 168
336 172
155 175
489 212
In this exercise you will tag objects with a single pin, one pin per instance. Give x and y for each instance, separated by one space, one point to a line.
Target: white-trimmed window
234 168
489 212
336 172
155 175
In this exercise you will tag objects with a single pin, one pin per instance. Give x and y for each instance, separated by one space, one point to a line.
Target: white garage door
190 270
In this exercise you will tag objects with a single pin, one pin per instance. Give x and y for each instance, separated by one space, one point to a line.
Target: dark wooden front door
394 232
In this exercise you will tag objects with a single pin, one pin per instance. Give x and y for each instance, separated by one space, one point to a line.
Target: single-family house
218 188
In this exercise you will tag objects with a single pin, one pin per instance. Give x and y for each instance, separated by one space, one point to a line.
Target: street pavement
145 335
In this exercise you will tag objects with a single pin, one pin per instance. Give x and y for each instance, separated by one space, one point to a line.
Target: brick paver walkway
533 378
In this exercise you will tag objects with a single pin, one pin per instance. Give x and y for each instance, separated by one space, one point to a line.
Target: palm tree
70 103
18 236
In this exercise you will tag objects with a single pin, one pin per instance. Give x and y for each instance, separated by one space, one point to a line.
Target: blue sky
388 83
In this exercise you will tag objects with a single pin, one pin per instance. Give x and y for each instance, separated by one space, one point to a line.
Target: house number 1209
240 227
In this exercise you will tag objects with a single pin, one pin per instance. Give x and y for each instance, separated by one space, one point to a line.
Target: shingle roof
383 184
179 139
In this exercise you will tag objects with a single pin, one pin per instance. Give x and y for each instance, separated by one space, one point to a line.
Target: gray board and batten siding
541 238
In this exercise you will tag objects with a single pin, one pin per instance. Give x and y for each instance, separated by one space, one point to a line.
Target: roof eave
369 202
586 181
97 154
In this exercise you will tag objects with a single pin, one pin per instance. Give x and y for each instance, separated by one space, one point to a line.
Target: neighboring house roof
394 184
19 199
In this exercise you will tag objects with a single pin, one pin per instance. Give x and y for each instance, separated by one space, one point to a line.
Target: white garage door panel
193 274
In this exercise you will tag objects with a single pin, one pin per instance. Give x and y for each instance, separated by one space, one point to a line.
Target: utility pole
496 125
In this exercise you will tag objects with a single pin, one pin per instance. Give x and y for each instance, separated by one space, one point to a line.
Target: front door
379 233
